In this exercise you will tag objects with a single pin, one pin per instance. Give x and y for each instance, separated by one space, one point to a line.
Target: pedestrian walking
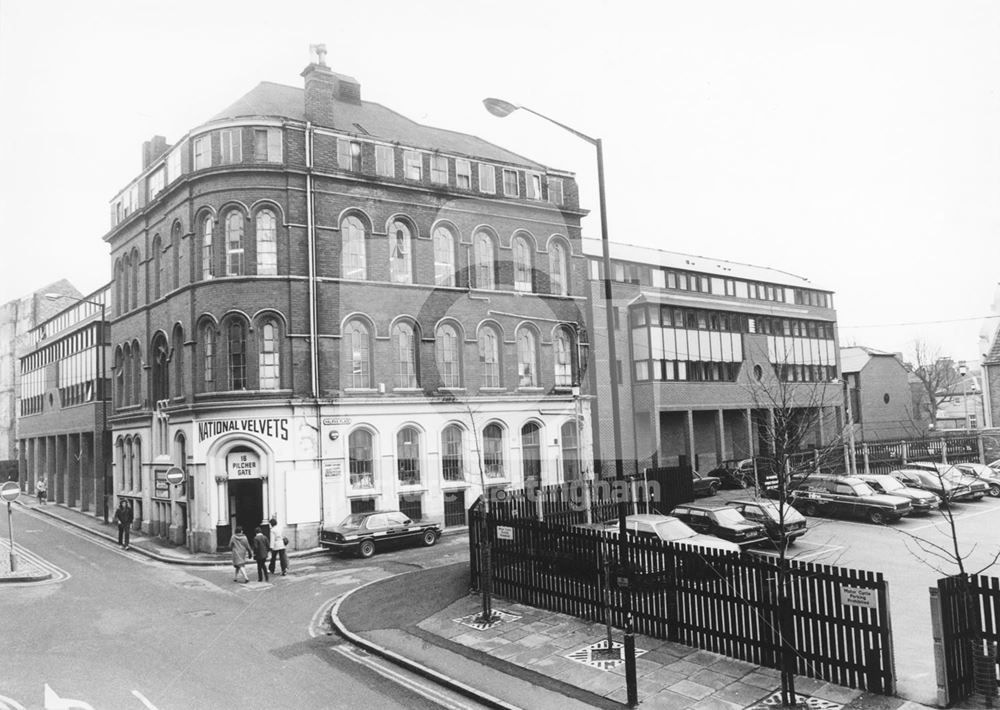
278 543
41 490
124 517
260 550
240 547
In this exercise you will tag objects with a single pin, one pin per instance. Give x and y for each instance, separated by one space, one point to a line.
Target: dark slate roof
270 99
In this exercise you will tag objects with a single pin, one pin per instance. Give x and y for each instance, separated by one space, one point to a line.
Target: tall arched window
485 261
134 290
355 265
452 453
558 270
404 348
527 358
175 255
207 262
270 363
160 352
360 461
136 393
128 477
448 359
358 349
120 298
234 243
531 455
267 243
120 368
208 357
570 435
236 345
444 257
177 360
408 456
157 265
489 356
523 264
493 464
400 253
137 463
563 345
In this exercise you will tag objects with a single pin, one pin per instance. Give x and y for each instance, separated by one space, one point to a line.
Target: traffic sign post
9 492
175 475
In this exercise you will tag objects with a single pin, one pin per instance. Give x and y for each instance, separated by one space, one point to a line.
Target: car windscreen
889 484
790 514
673 530
863 489
353 521
729 516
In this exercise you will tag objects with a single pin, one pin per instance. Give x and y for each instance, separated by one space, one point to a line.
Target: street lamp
502 109
99 385
963 370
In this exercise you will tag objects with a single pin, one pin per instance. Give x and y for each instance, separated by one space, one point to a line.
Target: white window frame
463 174
267 243
400 265
203 152
385 161
523 264
347 151
487 179
444 270
413 165
439 169
173 164
354 257
507 172
533 185
556 196
231 146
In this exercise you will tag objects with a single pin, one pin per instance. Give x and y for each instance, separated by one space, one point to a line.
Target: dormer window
533 185
413 165
232 150
555 190
202 152
463 174
510 188
439 169
349 155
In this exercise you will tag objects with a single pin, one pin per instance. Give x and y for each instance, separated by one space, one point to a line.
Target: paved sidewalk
424 620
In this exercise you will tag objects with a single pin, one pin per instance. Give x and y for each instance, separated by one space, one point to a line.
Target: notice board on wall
302 496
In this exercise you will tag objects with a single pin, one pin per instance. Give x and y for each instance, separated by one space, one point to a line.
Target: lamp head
499 107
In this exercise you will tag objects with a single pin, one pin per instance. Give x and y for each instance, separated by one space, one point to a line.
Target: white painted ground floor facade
313 465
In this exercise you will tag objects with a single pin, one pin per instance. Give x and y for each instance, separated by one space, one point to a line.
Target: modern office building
322 307
708 351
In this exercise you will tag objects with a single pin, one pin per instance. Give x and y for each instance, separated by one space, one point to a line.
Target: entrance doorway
246 504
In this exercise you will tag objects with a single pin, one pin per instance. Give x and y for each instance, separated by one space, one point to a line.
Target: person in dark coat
124 517
240 547
260 550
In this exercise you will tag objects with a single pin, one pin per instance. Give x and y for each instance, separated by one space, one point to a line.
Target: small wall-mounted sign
859 596
243 464
505 532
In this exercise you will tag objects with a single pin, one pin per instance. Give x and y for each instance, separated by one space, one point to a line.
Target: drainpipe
313 327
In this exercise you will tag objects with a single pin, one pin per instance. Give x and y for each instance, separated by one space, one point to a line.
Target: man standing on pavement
123 516
278 547
41 489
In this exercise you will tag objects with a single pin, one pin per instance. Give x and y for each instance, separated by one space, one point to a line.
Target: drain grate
200 612
774 701
596 655
499 617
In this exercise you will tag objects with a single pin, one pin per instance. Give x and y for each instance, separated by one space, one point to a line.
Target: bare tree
937 377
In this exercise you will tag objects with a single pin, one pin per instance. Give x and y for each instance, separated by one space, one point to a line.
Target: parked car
922 501
363 533
669 529
703 486
927 481
741 473
989 476
723 522
995 465
950 472
845 496
769 514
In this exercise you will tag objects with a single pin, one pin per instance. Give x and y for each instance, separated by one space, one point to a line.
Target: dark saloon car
950 472
920 500
845 497
984 473
723 522
769 514
363 533
703 486
927 481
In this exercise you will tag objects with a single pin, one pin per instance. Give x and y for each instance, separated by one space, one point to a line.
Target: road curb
408 663
25 579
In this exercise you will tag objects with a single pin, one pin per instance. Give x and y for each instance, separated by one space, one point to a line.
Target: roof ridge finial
320 51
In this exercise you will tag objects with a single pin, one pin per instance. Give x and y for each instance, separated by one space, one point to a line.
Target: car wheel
366 549
809 509
429 538
995 491
877 517
712 490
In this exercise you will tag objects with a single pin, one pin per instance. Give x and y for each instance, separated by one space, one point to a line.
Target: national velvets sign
272 427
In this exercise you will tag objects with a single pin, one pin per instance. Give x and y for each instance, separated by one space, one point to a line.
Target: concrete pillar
720 436
751 439
88 491
770 429
689 420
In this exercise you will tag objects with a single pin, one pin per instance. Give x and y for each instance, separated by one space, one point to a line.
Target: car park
927 481
723 522
773 517
742 473
950 472
995 465
984 473
364 533
669 529
922 501
703 486
845 496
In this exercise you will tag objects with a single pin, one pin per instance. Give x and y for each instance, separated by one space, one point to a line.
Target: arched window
180 460
137 464
270 358
119 466
360 462
527 358
485 261
135 278
119 379
353 234
127 388
452 453
523 264
267 243
128 478
175 255
160 352
448 359
157 265
358 349
408 456
177 360
234 244
207 262
489 356
558 270
236 345
493 451
570 435
400 253
444 257
208 357
119 287
563 345
531 455
404 348
136 394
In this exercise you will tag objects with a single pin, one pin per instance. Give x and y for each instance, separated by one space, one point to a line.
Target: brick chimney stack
153 149
320 85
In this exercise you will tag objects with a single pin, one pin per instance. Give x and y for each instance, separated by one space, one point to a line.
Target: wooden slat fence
970 621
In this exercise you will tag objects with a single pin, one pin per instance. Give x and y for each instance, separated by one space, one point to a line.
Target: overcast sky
854 143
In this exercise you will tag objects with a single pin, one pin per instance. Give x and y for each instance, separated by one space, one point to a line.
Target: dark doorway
246 504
